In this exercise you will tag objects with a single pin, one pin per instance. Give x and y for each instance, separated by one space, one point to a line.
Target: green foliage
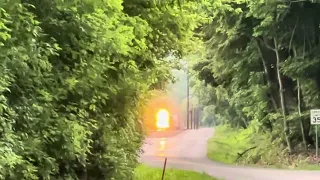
260 68
226 143
143 172
73 82
243 146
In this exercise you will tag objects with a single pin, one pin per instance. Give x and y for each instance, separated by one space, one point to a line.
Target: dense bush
73 79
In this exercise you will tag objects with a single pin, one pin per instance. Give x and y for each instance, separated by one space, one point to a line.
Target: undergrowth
247 147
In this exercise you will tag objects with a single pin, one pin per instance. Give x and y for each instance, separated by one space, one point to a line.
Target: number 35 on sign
315 116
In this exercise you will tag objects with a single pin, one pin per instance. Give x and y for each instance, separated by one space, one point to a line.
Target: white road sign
315 116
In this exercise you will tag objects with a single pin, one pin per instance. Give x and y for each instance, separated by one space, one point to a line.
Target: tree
74 83
262 55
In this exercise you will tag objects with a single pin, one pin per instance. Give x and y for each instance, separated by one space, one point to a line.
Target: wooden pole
194 118
188 98
191 117
164 168
197 118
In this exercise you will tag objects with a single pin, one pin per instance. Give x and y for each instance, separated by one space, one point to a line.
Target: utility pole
191 118
198 117
188 97
194 117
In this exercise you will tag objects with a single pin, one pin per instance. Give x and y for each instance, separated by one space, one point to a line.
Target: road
187 150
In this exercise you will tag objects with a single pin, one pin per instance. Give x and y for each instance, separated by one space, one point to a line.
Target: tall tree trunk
282 99
300 105
300 114
267 73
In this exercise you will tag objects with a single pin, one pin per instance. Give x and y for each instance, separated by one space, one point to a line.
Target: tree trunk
299 107
282 99
300 114
267 73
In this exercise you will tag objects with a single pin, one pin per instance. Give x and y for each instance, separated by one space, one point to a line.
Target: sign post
315 120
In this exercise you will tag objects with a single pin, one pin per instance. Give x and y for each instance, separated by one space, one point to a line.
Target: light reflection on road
178 144
162 147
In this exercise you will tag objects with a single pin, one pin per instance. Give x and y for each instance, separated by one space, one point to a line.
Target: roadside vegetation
238 146
144 172
226 143
73 82
258 75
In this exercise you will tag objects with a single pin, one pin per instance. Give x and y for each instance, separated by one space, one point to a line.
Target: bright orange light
163 119
162 144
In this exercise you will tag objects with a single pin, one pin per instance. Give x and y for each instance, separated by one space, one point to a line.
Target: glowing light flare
163 119
162 147
162 144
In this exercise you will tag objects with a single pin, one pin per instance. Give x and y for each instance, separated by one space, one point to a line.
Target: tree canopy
261 66
74 76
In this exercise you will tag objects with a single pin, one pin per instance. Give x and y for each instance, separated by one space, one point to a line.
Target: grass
144 172
226 143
